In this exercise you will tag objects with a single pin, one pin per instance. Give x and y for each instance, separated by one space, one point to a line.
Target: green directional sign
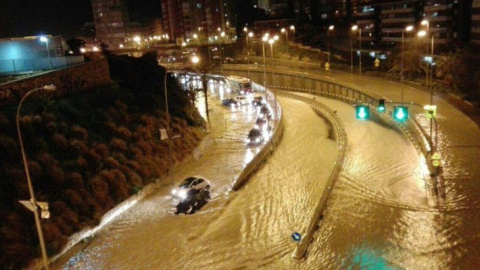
362 112
400 113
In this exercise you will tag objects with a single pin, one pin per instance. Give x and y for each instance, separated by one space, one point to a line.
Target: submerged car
194 200
255 137
190 183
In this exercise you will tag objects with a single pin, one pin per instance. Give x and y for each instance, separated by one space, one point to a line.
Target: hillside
87 152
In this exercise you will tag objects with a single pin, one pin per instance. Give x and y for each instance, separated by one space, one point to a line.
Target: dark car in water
193 201
264 111
255 137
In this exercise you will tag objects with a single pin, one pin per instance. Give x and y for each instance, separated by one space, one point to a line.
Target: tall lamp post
283 30
407 29
27 173
264 40
169 129
271 41
196 60
422 34
330 28
249 35
355 28
45 39
292 27
425 22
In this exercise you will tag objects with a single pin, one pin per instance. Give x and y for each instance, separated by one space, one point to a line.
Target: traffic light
381 105
400 113
362 112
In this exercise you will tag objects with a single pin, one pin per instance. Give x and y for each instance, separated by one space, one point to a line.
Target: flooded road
378 216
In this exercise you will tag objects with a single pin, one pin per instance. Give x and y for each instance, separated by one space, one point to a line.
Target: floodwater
378 216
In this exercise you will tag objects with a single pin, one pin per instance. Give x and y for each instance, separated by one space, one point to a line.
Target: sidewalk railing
19 66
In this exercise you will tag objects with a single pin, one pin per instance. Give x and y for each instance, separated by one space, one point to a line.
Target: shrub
79 133
100 190
118 144
111 163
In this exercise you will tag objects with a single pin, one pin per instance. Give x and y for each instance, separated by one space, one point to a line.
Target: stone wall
68 80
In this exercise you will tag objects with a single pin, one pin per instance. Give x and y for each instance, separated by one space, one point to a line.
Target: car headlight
255 126
261 115
174 191
257 140
182 194
248 140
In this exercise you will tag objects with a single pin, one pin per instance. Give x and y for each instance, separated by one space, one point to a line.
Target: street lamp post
264 39
169 131
196 60
330 28
271 41
425 22
286 37
45 39
27 173
292 27
407 29
355 28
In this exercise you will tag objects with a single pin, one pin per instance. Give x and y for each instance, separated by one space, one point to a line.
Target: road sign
44 213
296 237
27 204
377 62
435 160
327 66
430 110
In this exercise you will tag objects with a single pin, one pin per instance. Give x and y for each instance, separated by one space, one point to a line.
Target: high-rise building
475 23
183 19
111 21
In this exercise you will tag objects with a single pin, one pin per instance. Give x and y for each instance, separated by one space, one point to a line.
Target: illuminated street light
45 39
33 201
264 40
196 61
292 27
169 130
407 29
355 28
286 36
271 41
425 22
330 28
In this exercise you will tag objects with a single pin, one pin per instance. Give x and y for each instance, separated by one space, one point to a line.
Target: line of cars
261 129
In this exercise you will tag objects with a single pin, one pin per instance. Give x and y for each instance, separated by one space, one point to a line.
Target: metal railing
19 66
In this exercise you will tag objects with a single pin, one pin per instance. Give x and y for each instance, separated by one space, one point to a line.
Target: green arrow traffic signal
362 112
400 113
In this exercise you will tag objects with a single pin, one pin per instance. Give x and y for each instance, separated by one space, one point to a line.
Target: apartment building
184 19
111 21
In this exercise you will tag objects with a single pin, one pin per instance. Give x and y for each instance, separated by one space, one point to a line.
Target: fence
18 66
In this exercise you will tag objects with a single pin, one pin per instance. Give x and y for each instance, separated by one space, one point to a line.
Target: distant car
255 137
242 99
264 111
188 184
262 123
258 101
230 102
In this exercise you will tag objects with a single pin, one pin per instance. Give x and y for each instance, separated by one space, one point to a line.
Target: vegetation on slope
87 152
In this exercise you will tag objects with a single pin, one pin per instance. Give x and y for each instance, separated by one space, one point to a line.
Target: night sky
19 18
